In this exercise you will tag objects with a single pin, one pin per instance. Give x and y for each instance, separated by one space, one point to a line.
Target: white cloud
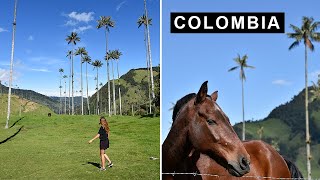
81 17
281 82
30 38
120 5
314 74
46 60
71 23
82 29
5 74
40 70
3 30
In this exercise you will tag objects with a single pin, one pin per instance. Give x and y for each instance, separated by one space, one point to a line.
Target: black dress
104 140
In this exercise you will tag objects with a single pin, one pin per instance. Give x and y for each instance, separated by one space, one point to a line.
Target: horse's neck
175 147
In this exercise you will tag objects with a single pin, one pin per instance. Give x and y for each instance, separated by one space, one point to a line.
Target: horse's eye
211 122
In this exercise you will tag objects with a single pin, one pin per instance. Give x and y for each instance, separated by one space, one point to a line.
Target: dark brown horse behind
265 160
200 125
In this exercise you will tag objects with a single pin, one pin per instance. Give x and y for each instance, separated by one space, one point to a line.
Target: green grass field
57 148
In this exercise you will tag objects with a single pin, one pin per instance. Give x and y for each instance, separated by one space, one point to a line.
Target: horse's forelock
180 103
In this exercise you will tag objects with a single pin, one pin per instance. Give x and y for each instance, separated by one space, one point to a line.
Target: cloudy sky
42 27
279 73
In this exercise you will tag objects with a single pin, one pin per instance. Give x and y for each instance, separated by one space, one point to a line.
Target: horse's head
210 132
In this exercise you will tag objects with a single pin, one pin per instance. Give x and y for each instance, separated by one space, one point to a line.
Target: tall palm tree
113 57
109 56
11 63
117 58
87 60
97 64
242 64
61 71
65 93
106 22
82 52
69 54
260 132
100 96
143 21
307 33
149 49
73 39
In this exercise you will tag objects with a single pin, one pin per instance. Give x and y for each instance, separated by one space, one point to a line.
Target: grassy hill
284 128
26 106
57 148
32 96
134 90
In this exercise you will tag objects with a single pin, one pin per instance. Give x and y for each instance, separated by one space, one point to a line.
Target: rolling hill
134 90
284 128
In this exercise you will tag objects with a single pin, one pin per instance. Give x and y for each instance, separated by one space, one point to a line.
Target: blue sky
190 59
42 26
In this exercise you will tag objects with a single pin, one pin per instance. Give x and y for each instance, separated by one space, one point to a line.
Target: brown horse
265 160
202 126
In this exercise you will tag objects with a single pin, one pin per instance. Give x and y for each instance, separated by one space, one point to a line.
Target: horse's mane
180 103
295 172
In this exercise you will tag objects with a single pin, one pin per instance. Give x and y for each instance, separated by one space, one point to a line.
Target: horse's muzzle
239 168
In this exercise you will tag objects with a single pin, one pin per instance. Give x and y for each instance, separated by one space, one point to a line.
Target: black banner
244 22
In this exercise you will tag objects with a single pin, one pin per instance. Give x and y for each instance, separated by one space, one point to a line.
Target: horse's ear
202 94
214 96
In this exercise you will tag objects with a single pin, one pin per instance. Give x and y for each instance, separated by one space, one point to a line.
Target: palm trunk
11 65
109 99
98 112
149 50
148 68
72 83
60 108
69 109
120 108
87 89
113 91
81 86
65 97
243 122
307 117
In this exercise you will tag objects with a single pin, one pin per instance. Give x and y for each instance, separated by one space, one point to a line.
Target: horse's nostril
244 164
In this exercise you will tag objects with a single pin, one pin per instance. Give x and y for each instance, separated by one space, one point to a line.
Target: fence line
218 176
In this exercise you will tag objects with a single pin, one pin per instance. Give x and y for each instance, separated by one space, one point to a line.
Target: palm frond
294 44
233 68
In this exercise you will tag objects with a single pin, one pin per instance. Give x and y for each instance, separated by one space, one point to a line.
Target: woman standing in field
103 134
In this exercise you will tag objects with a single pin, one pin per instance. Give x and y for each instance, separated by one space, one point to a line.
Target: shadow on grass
11 136
94 164
16 122
149 115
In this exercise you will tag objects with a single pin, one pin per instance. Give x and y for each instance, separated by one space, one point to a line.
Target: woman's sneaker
110 165
102 169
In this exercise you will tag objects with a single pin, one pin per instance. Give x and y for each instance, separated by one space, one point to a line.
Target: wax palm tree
106 22
315 91
97 64
61 71
73 39
149 49
242 64
69 55
101 96
143 21
11 64
109 56
117 55
307 33
87 60
260 132
113 57
65 93
82 52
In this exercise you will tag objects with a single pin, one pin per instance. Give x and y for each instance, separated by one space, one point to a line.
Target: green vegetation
285 125
57 147
134 92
